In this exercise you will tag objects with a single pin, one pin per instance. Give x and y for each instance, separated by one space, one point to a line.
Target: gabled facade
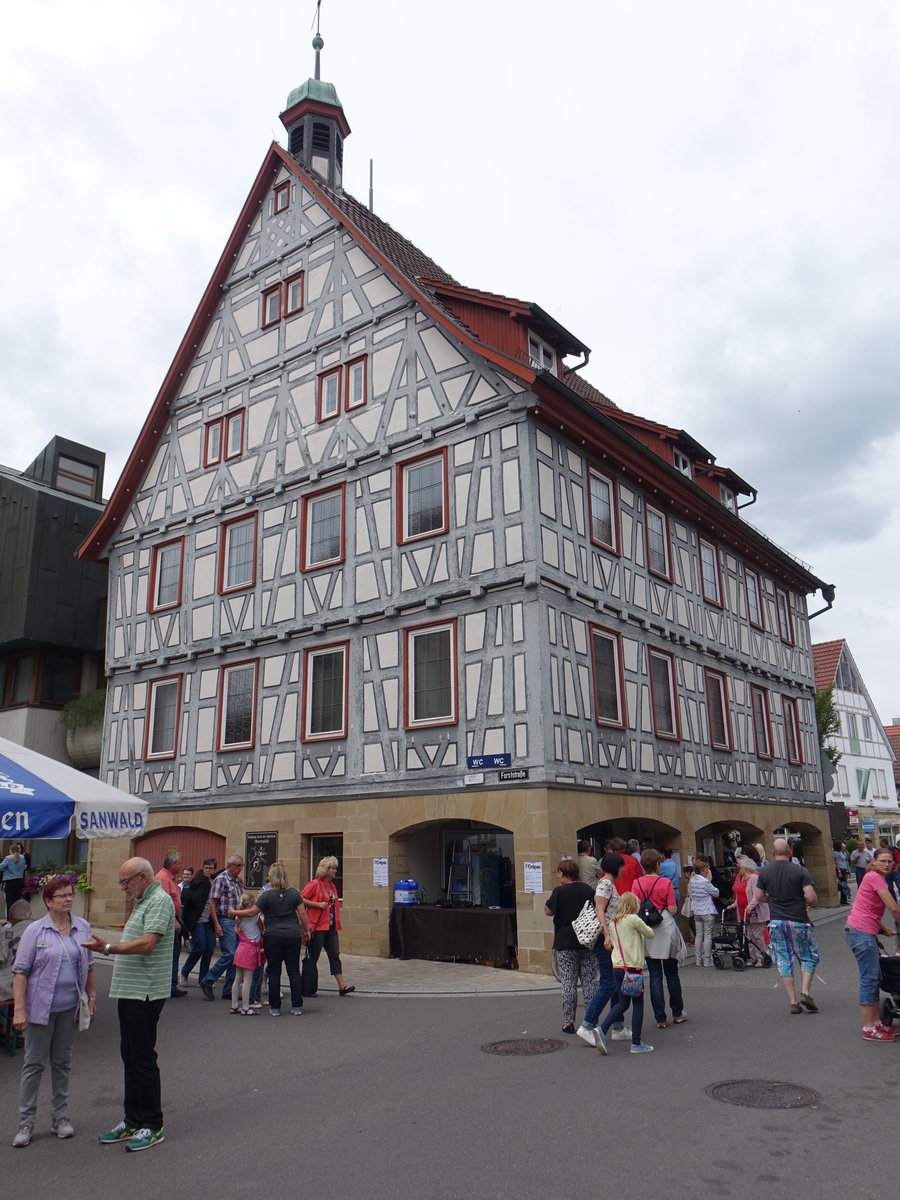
864 778
375 528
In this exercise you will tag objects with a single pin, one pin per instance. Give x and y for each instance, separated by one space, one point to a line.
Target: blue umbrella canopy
43 798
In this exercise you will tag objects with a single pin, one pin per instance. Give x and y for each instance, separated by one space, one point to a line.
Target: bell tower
316 126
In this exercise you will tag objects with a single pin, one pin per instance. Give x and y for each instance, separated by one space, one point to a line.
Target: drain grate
515 1046
763 1093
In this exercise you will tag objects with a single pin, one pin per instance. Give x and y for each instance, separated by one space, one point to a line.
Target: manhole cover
763 1093
524 1046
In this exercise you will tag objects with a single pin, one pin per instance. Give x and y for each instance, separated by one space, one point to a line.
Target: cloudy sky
706 193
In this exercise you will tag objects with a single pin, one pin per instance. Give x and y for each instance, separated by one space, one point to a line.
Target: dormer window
541 356
76 478
682 463
726 496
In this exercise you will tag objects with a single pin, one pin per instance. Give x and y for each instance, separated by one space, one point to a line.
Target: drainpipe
828 590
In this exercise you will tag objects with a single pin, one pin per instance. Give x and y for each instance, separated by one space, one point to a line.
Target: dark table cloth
425 931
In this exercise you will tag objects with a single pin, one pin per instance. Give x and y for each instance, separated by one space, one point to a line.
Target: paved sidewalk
420 977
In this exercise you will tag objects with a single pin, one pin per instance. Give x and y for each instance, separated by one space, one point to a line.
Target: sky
705 193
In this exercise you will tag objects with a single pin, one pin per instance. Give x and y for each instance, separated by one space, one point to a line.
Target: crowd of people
635 896
50 962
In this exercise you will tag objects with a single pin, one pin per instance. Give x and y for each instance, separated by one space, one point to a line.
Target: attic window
320 137
76 478
682 463
542 357
295 141
726 495
282 197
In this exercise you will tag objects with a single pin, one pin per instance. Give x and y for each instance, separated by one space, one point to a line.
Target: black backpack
648 912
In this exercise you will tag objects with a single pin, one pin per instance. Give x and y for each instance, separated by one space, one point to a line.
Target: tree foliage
828 723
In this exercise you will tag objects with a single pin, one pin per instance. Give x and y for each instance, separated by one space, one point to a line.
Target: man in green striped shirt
141 982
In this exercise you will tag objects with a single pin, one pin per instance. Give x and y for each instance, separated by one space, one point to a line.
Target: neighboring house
52 606
390 580
864 778
893 736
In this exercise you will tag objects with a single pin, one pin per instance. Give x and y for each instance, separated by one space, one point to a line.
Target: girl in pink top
865 922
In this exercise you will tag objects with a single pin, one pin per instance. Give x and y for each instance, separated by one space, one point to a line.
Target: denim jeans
606 990
620 1007
865 950
203 942
256 986
656 967
224 964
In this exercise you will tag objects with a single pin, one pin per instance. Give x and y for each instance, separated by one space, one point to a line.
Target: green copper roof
314 89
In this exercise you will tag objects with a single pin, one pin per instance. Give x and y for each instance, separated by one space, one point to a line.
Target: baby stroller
890 985
729 941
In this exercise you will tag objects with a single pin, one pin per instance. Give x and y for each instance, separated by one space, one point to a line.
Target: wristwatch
106 949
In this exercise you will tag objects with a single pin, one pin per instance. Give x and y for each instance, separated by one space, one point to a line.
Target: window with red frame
212 443
234 434
322 529
325 683
430 661
237 554
762 729
785 621
293 294
754 598
165 575
224 438
329 404
423 498
609 688
603 511
657 529
162 718
282 197
792 731
710 573
237 706
356 383
664 694
717 711
271 305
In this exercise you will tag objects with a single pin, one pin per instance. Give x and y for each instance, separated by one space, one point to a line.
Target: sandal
345 991
234 1012
249 1012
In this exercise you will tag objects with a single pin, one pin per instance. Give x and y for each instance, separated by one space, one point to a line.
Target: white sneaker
586 1035
23 1137
620 1035
63 1128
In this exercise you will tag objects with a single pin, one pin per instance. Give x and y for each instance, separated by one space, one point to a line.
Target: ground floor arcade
428 837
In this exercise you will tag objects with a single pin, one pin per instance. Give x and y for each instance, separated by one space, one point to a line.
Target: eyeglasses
123 883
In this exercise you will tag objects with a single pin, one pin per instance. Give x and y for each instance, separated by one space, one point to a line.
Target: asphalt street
382 1097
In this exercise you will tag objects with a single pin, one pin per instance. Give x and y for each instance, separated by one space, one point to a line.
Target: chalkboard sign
261 852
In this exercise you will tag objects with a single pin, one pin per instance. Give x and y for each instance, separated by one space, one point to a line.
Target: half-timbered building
389 577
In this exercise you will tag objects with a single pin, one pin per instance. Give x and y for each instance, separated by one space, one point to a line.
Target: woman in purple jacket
51 970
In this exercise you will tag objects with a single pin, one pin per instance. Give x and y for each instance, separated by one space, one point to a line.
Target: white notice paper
534 877
379 872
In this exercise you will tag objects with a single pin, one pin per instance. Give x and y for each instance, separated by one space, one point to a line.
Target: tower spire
318 41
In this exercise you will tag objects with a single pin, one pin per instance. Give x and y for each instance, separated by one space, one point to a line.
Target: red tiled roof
826 656
587 391
893 736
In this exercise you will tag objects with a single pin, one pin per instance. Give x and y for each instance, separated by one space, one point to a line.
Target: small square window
682 463
325 692
234 434
664 694
271 305
785 621
355 387
422 486
293 294
282 197
754 598
431 675
237 554
603 511
237 706
165 575
322 529
710 573
162 718
657 526
717 711
329 394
